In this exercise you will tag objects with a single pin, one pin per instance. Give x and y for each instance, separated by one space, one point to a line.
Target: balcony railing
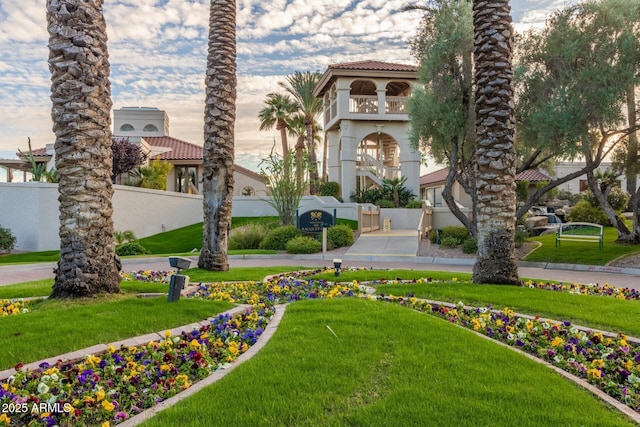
363 104
366 104
396 104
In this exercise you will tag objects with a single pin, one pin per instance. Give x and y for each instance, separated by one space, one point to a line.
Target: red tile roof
180 150
433 177
373 66
532 175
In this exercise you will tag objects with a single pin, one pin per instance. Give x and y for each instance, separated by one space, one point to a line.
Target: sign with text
314 221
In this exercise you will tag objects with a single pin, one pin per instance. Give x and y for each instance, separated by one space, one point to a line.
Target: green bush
414 204
340 235
433 236
470 246
449 242
330 188
7 240
303 245
618 199
131 248
520 237
384 203
584 211
459 233
247 236
278 238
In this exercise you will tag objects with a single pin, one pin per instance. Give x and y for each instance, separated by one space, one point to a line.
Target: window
434 196
150 128
248 191
127 128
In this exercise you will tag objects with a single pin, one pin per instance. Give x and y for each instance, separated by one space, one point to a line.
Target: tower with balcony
366 124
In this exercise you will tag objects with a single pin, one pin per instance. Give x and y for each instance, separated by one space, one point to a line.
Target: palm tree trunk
495 128
81 96
219 115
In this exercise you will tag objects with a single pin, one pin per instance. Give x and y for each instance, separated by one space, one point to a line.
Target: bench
580 232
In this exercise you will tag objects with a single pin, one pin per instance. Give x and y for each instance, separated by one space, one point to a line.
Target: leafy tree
126 156
573 80
219 123
442 111
81 97
286 190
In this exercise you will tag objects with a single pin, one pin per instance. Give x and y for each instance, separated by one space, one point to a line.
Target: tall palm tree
219 122
277 111
495 128
81 98
298 130
300 85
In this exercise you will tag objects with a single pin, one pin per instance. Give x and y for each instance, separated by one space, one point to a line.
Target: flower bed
148 276
610 363
111 387
10 308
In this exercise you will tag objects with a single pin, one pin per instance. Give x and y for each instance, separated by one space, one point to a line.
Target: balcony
366 107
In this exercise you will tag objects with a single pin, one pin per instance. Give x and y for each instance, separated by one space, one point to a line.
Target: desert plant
7 240
247 237
520 237
303 245
340 235
277 238
38 170
122 237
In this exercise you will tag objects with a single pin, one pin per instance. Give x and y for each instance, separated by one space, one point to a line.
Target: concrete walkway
386 243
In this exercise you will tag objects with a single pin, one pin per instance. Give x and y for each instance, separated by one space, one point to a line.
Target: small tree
7 240
286 190
126 156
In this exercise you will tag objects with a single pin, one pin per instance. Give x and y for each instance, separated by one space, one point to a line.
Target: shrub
7 240
618 198
330 188
277 238
131 248
449 242
520 237
433 236
470 246
303 245
584 211
384 203
414 204
457 232
247 236
340 235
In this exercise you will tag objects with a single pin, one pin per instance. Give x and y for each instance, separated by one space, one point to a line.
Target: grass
386 366
580 252
236 274
55 327
41 288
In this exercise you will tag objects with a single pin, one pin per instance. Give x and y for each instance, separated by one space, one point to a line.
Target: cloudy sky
157 52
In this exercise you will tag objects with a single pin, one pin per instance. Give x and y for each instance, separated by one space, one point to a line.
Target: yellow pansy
107 406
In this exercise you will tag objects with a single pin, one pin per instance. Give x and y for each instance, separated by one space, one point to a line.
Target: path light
337 263
178 281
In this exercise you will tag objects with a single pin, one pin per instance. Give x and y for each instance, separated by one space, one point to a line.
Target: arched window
248 191
127 128
150 128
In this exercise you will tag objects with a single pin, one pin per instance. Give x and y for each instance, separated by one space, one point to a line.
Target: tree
300 85
81 97
574 80
442 111
126 156
495 152
286 189
277 111
219 118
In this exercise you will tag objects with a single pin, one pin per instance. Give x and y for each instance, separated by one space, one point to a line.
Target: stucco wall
30 211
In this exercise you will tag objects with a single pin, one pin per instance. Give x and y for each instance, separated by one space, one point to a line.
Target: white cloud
158 53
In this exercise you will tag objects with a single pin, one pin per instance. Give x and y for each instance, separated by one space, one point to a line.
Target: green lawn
57 327
385 366
580 252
